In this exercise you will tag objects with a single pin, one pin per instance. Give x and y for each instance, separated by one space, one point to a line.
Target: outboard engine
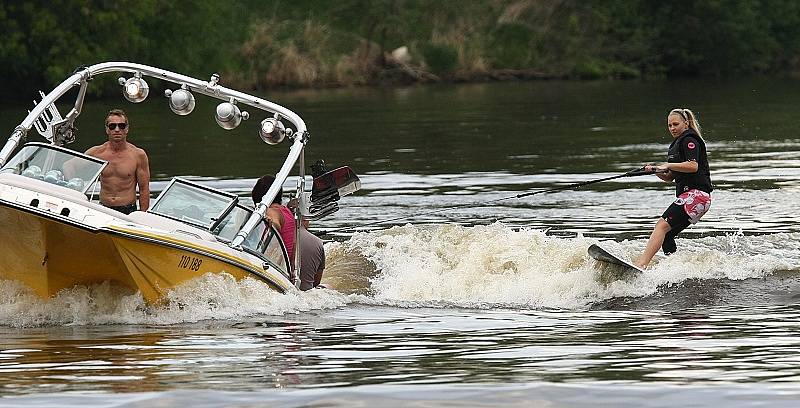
329 187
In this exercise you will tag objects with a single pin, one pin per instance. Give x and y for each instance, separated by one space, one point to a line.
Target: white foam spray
421 266
213 296
495 265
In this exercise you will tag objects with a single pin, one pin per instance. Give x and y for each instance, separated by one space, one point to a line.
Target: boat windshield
263 240
219 212
56 165
193 203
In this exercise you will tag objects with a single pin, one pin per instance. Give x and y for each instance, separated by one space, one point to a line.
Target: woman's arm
275 217
666 171
666 175
660 171
683 167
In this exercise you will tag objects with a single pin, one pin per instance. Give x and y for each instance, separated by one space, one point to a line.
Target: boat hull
49 254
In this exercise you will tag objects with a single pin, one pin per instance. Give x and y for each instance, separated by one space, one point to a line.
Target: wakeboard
606 257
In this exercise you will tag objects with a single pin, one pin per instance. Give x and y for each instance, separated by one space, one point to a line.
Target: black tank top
690 146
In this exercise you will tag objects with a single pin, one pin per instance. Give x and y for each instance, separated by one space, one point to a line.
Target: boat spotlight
54 176
76 183
33 172
228 115
134 89
181 101
272 131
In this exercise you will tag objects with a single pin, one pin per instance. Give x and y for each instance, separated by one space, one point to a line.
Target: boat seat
60 193
141 217
43 187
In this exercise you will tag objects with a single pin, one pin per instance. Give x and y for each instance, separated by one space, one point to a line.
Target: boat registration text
190 262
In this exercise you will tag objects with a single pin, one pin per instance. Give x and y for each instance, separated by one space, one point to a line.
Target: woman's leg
654 243
675 216
669 245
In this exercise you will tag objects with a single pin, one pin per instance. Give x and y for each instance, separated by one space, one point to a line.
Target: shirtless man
127 167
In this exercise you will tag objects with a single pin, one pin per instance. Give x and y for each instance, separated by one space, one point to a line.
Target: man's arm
92 151
143 179
318 274
71 166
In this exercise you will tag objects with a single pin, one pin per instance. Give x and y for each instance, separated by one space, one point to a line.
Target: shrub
509 46
441 59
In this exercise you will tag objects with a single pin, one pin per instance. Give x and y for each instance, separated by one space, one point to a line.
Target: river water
447 291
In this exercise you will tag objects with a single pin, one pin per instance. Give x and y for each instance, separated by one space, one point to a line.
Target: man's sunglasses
112 126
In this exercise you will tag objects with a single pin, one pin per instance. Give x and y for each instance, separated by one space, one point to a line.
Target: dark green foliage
509 46
346 41
717 38
47 40
441 59
588 70
595 69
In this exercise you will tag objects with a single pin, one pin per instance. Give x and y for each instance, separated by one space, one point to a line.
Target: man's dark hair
261 187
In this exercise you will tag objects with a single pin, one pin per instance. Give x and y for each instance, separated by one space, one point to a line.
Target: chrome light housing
272 131
228 115
181 101
134 89
76 183
33 172
54 176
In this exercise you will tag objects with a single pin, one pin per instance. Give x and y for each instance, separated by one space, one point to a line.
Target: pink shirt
287 231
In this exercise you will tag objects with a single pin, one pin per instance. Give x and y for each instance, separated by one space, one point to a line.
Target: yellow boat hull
49 254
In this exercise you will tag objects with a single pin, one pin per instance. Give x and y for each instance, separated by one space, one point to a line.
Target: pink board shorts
695 202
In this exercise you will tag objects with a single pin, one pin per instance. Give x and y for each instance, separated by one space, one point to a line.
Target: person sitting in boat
278 215
312 258
128 167
687 166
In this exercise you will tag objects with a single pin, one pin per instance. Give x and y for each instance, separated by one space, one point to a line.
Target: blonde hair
688 116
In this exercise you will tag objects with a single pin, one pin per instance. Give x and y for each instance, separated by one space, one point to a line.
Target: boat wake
450 266
211 297
496 266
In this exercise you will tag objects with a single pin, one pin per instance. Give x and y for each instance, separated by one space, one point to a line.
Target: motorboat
55 234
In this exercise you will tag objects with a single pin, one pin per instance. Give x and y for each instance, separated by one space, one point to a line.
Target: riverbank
262 45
